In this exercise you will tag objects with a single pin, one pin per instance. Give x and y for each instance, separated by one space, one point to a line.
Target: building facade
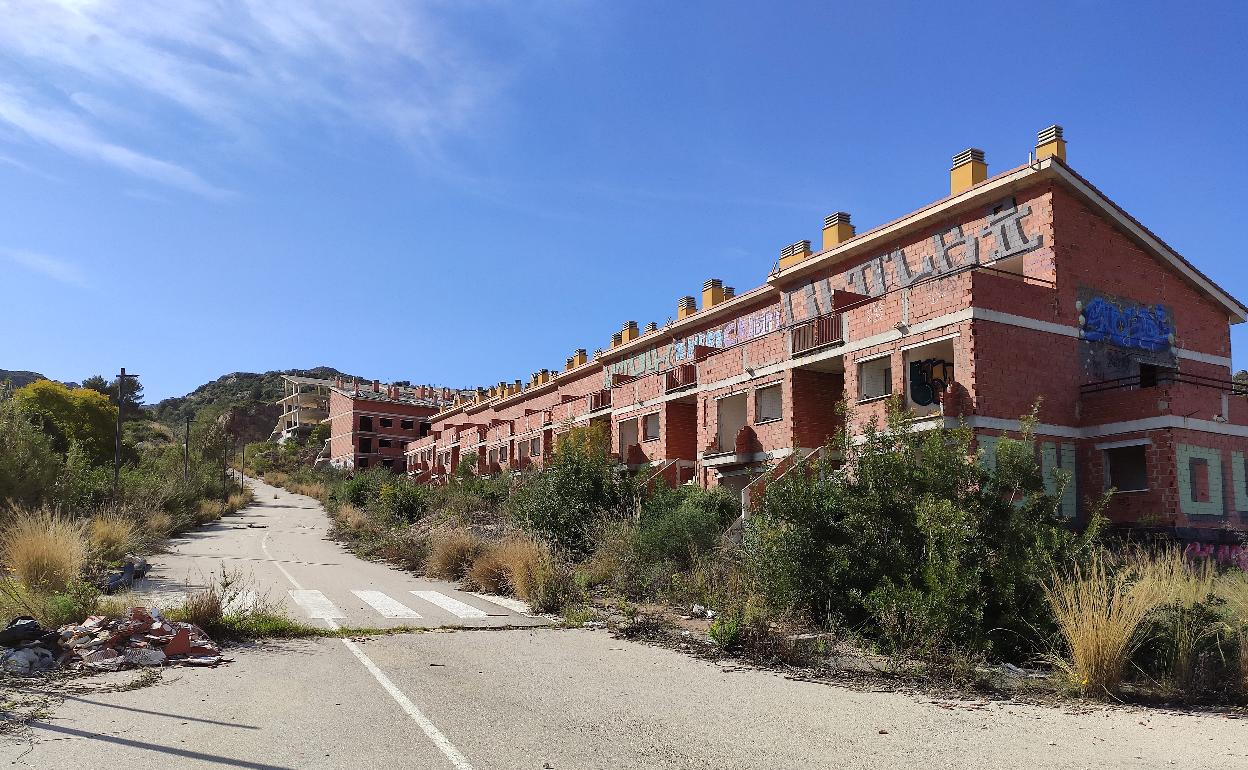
1028 289
372 425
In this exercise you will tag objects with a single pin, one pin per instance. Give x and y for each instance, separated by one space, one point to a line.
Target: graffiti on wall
657 359
1126 324
928 379
1226 555
951 249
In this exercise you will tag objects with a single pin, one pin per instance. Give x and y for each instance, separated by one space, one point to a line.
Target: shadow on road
133 744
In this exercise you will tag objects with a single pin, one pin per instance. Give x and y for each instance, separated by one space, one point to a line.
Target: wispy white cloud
226 72
58 270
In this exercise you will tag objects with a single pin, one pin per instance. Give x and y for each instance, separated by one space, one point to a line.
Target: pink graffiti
1226 555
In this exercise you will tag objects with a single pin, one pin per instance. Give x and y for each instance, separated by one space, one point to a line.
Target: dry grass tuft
451 553
209 511
1100 610
521 558
487 572
352 519
239 500
45 551
111 535
158 524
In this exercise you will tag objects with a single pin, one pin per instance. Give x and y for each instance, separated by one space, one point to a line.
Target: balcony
1165 377
816 333
680 378
599 400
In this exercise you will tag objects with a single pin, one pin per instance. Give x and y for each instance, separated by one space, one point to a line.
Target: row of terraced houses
1030 286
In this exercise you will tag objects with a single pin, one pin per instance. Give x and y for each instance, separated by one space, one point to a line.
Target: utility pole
121 381
186 453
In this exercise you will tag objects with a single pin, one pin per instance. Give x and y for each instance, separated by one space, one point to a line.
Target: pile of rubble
101 643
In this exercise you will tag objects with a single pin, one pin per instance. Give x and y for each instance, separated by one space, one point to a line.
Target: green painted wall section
1184 454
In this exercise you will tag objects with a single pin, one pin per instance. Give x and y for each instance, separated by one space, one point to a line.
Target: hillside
20 378
249 396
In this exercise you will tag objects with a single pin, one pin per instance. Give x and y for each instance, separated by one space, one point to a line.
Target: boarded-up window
767 404
650 425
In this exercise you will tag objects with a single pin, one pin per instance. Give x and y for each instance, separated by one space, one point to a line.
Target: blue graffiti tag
1135 326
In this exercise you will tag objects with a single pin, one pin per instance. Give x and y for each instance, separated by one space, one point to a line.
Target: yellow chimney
686 307
617 339
579 357
712 293
969 169
836 229
793 253
567 364
629 332
1049 143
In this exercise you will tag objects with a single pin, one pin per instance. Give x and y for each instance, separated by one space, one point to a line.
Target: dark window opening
362 462
386 422
366 445
389 463
366 423
383 442
407 424
1127 468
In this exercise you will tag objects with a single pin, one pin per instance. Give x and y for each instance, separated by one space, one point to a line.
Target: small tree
576 487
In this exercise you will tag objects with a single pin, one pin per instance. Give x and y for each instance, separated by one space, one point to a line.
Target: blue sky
465 192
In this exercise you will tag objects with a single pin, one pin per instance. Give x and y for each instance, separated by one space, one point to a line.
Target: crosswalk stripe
515 605
316 604
389 608
453 606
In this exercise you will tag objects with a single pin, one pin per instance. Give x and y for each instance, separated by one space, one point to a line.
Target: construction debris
101 643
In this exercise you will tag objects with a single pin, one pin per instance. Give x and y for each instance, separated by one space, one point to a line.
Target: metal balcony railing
681 377
816 333
1165 377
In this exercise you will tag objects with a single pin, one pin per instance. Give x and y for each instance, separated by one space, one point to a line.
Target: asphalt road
549 698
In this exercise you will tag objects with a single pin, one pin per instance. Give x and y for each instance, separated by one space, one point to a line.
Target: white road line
427 727
453 606
388 607
316 604
515 605
264 546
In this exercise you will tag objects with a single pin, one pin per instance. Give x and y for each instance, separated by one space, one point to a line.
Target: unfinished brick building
372 425
1029 286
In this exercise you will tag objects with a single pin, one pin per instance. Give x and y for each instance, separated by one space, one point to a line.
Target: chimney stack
793 253
652 326
969 169
1050 144
376 386
617 339
836 229
712 293
579 357
567 364
686 307
729 292
629 332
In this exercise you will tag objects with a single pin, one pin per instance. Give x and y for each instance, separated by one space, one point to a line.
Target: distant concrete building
304 403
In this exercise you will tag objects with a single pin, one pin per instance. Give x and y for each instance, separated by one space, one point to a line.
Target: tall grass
111 535
1099 612
45 551
1232 588
451 553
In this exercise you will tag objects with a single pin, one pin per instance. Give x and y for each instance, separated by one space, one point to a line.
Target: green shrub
678 525
404 501
725 631
575 489
908 535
